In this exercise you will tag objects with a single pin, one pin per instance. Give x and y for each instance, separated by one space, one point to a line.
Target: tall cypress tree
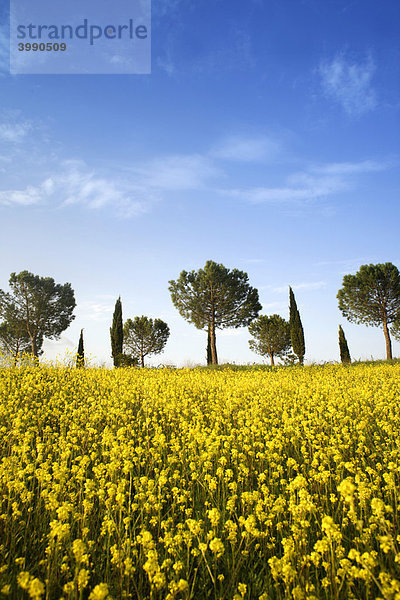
80 356
116 333
296 328
344 349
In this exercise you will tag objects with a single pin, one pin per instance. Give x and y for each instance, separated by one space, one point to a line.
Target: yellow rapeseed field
178 484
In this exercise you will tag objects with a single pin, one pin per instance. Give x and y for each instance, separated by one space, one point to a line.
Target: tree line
211 298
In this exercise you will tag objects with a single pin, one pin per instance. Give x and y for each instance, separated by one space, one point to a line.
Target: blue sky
266 138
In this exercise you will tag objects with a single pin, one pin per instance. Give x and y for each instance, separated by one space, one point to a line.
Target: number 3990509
42 47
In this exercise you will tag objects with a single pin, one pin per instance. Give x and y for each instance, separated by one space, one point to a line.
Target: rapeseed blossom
189 484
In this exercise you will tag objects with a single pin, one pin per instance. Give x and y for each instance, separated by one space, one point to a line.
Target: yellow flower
100 592
36 589
216 546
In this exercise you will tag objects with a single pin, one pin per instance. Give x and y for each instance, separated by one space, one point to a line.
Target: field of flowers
162 484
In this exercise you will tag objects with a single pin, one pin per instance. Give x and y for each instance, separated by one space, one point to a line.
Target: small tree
214 298
372 297
44 307
272 336
117 334
296 328
80 356
343 347
143 336
127 360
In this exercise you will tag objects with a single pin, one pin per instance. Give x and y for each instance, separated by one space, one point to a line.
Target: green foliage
116 333
14 338
126 360
344 349
214 298
272 336
144 336
296 328
38 305
395 329
80 356
289 360
372 297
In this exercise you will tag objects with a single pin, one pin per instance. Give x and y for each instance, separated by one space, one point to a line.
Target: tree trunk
388 341
214 358
272 358
34 346
142 359
209 359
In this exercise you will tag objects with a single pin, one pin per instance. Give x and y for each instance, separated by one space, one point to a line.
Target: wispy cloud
132 189
304 188
128 192
314 183
178 172
352 168
75 183
166 63
246 149
349 83
13 129
25 197
96 311
62 342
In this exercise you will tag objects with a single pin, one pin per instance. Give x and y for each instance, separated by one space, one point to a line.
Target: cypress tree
209 354
344 349
116 333
80 357
296 328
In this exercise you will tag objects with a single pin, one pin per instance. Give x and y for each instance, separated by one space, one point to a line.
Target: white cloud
349 83
129 192
26 197
96 311
62 342
14 129
317 182
14 132
349 168
307 188
246 149
175 173
74 183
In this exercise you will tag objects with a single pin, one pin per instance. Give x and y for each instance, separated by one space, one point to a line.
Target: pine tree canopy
216 294
43 306
372 295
